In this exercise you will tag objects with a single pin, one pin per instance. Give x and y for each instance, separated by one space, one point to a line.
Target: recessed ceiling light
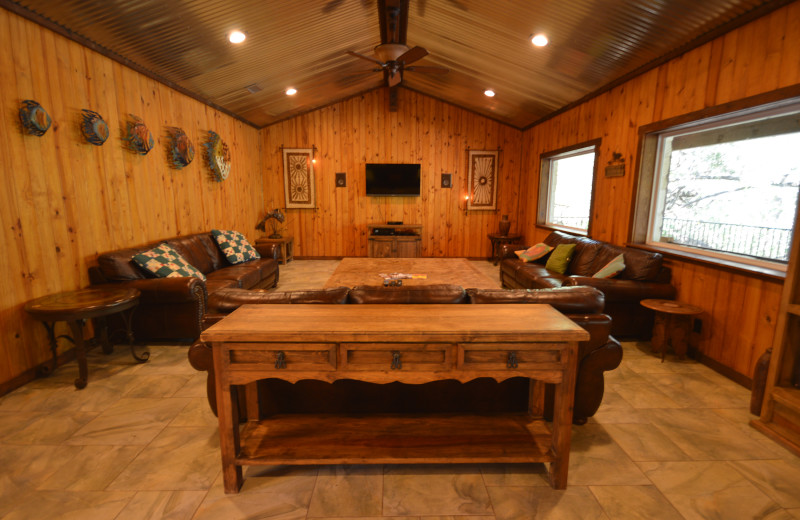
540 40
489 92
291 91
237 37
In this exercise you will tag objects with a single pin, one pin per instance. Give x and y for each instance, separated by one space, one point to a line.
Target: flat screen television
392 180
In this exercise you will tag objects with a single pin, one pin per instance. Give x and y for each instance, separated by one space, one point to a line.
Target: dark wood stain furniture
405 242
498 241
75 307
383 343
284 245
672 325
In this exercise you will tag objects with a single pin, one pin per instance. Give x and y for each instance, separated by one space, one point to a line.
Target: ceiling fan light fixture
488 92
291 91
390 51
236 37
540 40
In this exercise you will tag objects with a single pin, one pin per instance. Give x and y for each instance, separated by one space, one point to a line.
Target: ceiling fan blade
394 78
423 68
365 57
413 54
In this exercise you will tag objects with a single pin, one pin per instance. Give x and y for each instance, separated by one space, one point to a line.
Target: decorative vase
505 225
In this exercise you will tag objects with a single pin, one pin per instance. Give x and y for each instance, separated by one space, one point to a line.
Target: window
566 187
726 187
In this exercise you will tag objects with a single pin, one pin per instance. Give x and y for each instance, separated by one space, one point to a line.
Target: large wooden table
385 343
366 271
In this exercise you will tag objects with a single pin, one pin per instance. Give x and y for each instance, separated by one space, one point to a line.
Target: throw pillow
559 258
234 246
534 252
164 262
611 269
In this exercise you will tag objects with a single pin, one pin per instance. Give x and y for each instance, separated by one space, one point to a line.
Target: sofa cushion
611 269
227 300
437 293
118 266
560 257
246 275
536 276
534 252
192 248
234 246
569 300
164 262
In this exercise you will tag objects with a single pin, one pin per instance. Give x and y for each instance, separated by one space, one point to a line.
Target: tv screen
392 180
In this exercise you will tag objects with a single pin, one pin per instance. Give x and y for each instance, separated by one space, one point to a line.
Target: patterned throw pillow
534 252
611 269
165 262
559 259
234 246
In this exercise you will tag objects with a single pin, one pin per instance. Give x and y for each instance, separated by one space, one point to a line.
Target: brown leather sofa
173 308
644 277
584 305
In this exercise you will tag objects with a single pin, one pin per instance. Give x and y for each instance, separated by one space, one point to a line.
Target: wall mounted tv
392 180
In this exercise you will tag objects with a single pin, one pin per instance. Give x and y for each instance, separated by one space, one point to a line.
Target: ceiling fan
393 56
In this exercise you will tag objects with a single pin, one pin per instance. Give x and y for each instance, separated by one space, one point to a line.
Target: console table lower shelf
395 439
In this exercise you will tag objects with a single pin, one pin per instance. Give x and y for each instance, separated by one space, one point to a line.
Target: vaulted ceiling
303 44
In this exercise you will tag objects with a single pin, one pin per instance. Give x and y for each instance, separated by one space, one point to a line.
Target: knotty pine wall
359 130
63 201
759 57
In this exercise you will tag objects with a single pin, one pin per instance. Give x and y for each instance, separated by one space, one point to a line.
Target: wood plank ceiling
303 43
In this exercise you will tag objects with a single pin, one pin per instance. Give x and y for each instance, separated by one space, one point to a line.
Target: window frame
647 170
544 198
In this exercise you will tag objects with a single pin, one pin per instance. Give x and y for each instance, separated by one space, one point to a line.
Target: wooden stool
673 324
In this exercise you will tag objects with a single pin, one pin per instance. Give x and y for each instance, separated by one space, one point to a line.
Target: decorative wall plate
94 129
218 156
181 149
34 118
139 138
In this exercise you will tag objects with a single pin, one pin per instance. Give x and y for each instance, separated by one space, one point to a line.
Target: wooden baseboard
721 369
32 373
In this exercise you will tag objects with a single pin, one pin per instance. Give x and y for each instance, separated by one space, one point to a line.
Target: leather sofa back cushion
569 300
119 266
199 250
441 293
585 251
225 301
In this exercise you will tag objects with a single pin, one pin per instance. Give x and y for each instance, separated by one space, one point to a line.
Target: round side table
672 325
75 307
497 242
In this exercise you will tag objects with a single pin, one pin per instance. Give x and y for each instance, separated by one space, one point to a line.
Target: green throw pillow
559 258
611 269
164 262
534 252
234 246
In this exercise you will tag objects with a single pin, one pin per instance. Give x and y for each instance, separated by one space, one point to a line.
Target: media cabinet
394 240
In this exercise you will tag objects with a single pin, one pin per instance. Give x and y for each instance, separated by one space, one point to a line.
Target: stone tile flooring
670 441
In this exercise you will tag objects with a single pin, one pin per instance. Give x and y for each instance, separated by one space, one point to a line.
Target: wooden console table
405 343
405 242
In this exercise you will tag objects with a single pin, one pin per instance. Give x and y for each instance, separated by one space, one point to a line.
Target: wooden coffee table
366 271
672 325
387 343
75 307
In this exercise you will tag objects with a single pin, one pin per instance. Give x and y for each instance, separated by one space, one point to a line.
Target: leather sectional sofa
644 277
584 305
173 308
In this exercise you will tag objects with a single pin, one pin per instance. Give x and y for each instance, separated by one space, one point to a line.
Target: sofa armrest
165 290
268 250
625 290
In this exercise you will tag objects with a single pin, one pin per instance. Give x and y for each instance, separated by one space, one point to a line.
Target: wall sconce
313 154
466 204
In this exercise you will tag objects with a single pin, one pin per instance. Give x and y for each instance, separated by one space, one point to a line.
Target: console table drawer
283 356
396 356
477 356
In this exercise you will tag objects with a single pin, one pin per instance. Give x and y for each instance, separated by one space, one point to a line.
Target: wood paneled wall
63 201
758 57
359 130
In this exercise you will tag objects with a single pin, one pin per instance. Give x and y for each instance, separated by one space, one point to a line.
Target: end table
672 325
497 242
285 247
75 307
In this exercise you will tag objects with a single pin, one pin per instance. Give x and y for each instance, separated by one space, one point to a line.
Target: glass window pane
736 197
571 191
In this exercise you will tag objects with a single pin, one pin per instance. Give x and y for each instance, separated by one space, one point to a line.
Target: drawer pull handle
512 360
280 360
396 362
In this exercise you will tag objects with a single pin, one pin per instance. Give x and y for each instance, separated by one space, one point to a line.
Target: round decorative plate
181 149
94 129
218 156
34 118
139 139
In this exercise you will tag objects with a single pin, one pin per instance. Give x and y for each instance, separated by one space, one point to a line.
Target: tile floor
670 441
